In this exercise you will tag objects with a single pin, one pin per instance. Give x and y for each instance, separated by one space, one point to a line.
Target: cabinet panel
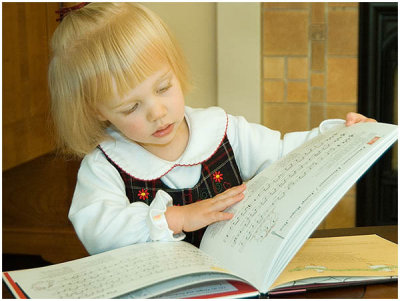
27 29
36 200
37 184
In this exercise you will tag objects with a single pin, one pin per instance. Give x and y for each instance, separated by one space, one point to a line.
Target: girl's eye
164 89
131 109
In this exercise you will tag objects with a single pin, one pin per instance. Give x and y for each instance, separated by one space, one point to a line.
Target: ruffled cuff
156 220
329 124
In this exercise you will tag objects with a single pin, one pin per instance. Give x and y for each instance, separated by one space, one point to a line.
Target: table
375 291
372 291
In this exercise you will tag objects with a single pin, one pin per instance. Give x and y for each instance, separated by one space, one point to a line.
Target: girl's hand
203 213
353 118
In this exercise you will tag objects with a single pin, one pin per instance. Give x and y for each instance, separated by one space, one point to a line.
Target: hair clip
65 10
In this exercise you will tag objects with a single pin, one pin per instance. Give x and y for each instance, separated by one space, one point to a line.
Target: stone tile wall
310 61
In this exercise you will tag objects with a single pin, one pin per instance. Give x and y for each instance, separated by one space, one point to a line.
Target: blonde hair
95 50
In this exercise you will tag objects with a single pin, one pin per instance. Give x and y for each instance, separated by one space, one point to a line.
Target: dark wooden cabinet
377 191
37 185
36 200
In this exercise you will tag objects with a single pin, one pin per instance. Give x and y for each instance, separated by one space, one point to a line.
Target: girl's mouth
164 131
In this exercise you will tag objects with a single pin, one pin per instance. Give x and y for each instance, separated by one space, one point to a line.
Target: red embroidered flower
143 194
217 176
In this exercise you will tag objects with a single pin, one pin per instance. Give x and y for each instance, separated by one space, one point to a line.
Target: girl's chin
156 141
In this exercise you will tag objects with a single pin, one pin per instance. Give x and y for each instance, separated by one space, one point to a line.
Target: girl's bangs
127 57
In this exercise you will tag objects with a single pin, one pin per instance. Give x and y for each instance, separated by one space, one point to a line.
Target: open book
282 207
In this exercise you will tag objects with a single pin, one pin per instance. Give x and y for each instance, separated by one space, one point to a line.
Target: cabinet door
27 29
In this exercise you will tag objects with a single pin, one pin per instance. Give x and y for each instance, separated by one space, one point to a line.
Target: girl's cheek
137 126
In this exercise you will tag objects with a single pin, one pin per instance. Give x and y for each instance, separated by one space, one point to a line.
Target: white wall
239 59
194 26
222 44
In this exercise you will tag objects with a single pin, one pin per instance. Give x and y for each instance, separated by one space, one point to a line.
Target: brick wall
310 61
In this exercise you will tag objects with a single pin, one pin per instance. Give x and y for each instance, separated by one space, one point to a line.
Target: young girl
153 169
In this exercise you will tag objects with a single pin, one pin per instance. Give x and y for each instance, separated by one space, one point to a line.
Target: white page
338 187
277 199
114 273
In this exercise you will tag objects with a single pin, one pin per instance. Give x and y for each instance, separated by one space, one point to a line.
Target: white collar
207 129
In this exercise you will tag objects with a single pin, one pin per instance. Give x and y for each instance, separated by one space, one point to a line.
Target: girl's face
152 113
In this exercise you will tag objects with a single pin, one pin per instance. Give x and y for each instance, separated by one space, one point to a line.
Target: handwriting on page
314 166
104 278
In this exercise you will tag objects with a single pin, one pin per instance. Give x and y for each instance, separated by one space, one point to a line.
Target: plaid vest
218 173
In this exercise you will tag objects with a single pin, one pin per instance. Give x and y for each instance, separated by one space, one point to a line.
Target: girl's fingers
222 216
206 212
231 200
231 192
223 203
352 118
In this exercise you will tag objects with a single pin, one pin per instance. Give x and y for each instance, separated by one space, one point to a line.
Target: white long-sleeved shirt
101 213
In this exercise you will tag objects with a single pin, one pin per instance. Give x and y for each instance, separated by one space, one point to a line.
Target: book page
284 203
350 256
211 290
200 290
116 272
181 284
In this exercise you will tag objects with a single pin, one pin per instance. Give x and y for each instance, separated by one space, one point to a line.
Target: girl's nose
157 110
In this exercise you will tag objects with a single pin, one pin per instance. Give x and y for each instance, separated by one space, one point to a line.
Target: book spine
15 289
